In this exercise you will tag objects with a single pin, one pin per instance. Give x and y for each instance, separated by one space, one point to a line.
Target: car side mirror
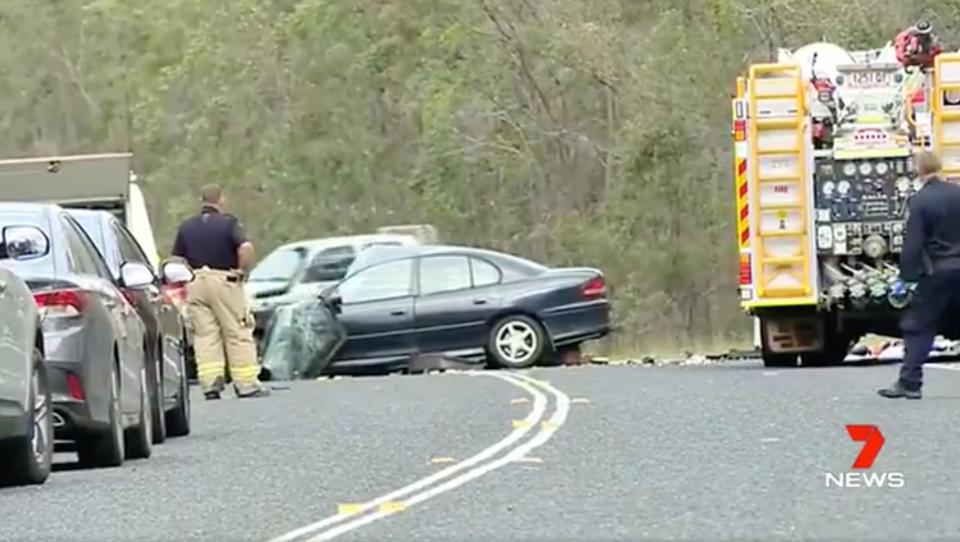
335 302
175 272
25 243
135 275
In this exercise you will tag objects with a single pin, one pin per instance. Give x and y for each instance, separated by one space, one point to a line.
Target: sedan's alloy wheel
516 342
41 411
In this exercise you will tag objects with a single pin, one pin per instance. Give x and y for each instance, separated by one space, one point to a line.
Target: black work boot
259 392
899 391
215 390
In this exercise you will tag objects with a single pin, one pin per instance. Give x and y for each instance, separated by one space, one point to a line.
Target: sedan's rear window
38 267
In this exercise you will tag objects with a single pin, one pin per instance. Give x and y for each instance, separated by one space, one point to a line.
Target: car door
14 339
450 315
376 310
98 280
161 320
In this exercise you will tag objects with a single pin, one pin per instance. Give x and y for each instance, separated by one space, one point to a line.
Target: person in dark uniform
215 245
930 263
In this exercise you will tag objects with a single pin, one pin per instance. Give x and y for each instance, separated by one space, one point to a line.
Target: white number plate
869 79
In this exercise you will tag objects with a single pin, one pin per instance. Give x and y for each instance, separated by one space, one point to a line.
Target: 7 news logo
873 442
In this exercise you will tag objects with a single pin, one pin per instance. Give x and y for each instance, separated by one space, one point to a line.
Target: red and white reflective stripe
743 205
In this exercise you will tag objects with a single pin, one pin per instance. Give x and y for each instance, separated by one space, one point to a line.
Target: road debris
881 349
686 359
869 349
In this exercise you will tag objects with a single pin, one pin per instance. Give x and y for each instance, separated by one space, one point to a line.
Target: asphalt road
731 452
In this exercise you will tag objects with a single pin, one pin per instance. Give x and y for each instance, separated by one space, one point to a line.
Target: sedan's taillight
76 387
61 303
594 289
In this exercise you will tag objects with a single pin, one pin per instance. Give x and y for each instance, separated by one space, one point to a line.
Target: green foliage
576 132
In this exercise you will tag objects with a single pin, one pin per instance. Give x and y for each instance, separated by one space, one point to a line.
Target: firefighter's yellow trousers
223 330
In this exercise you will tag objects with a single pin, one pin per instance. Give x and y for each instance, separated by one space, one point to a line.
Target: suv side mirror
25 243
175 272
136 275
335 302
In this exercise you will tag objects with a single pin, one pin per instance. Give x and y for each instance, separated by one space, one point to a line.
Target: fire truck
824 140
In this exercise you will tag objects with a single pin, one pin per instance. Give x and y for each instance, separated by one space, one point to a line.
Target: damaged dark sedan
398 304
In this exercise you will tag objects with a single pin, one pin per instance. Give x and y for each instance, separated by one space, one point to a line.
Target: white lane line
536 413
943 366
558 418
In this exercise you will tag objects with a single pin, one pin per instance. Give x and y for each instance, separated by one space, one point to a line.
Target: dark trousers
935 301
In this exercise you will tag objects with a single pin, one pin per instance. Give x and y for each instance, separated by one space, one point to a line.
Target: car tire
139 441
106 448
157 400
178 419
835 349
189 359
779 361
516 342
28 460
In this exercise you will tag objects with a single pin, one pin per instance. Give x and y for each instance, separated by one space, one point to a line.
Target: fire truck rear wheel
836 345
834 353
774 359
779 360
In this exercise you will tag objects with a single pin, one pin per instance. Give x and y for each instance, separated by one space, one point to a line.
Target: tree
582 132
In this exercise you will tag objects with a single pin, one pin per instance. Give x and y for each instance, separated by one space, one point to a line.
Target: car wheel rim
40 412
516 342
161 393
145 404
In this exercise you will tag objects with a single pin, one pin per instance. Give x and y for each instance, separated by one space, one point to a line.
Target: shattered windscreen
301 338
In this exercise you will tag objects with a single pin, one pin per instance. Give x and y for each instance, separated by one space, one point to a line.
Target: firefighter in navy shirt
215 245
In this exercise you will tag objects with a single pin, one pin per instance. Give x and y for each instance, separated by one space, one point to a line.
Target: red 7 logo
873 441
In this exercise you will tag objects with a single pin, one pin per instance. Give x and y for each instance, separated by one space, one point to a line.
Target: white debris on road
892 350
871 349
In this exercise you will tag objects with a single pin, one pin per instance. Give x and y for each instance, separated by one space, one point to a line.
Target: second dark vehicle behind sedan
94 342
400 302
166 333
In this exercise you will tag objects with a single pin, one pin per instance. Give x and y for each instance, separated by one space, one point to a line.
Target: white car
299 270
26 420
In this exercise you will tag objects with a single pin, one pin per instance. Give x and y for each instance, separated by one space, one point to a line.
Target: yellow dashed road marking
348 509
392 507
353 516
